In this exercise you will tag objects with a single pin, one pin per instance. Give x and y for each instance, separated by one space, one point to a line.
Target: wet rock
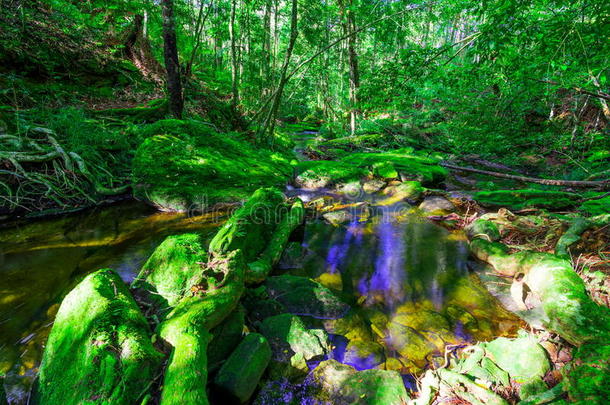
373 185
303 296
288 336
410 343
406 190
292 257
352 326
227 336
240 374
523 358
363 354
337 217
101 338
352 189
342 384
436 205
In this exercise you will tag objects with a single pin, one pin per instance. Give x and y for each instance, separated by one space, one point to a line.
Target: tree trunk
352 55
172 64
269 123
234 56
138 50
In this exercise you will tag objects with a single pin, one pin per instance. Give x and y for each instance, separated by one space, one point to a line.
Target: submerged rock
363 354
99 350
240 374
342 384
337 217
373 185
303 296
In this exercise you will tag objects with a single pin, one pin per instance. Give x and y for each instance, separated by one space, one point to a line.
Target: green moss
186 329
260 269
187 166
526 198
251 227
523 358
165 276
586 378
407 164
227 336
325 173
240 374
596 207
99 350
152 111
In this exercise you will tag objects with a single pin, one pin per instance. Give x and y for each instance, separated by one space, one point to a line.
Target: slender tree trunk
269 123
352 55
234 57
172 64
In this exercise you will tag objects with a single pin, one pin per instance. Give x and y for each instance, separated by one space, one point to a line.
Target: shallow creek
406 279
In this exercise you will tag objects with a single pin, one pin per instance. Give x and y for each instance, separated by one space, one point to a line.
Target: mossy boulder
342 384
239 375
99 350
527 198
407 164
226 337
522 358
303 296
314 174
251 227
289 336
167 274
596 207
587 376
188 166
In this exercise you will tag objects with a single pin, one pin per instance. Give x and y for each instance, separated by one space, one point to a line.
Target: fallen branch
604 184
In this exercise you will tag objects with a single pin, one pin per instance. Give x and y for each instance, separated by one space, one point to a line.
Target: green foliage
187 165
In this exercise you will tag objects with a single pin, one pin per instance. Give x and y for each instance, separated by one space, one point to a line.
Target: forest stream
406 279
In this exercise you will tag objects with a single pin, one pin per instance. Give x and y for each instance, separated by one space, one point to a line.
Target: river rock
373 185
99 350
337 217
523 358
288 335
363 354
240 374
436 205
342 384
410 343
303 296
385 170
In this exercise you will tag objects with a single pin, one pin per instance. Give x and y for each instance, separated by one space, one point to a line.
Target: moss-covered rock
226 337
187 166
596 207
99 350
240 374
303 296
260 269
314 174
150 112
526 198
186 328
167 274
342 384
288 336
251 227
523 358
587 376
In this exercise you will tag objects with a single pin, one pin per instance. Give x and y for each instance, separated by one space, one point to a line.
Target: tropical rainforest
304 202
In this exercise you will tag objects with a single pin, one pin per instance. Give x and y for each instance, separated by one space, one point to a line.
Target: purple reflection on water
337 252
461 333
389 274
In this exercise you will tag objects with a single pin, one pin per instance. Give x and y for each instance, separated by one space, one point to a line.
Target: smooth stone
363 354
436 205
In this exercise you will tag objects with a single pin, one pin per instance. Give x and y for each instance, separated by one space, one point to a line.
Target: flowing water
406 279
